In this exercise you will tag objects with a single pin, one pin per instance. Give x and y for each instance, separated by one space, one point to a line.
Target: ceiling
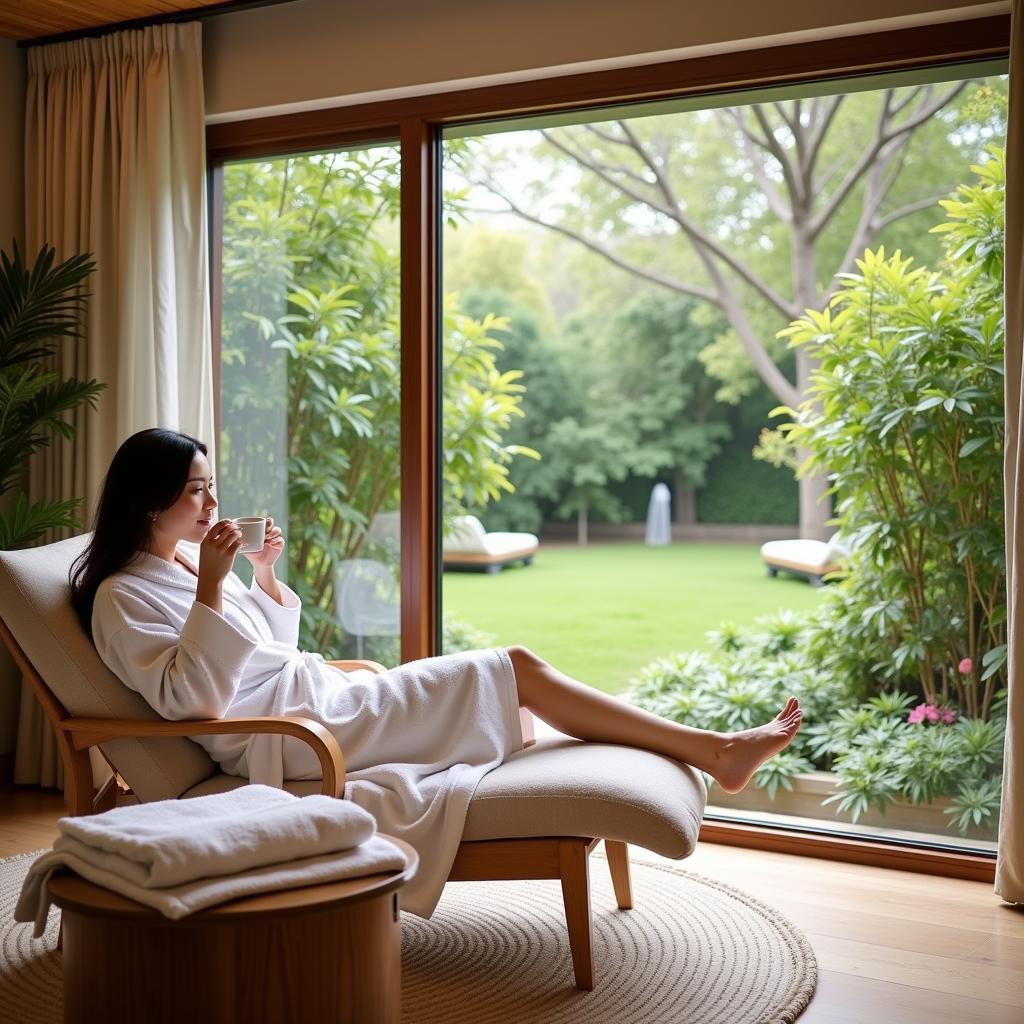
32 19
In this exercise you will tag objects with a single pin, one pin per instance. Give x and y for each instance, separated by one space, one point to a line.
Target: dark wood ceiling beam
37 24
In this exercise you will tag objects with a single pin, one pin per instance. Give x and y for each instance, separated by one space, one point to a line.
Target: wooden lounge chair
538 815
470 546
811 559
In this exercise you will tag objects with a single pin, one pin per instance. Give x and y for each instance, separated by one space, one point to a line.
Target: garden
901 671
855 385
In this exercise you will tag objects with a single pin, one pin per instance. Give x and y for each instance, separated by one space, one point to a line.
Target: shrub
877 749
905 412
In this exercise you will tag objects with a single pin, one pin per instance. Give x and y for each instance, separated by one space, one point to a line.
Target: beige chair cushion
563 787
35 603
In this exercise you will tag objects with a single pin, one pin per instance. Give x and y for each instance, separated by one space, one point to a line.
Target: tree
311 367
762 206
594 452
652 346
906 410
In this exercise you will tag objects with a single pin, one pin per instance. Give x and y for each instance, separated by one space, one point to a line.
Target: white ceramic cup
254 532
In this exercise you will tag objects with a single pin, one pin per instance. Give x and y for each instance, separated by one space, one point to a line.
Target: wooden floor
893 947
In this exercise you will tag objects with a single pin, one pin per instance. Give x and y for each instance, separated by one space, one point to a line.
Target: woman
155 590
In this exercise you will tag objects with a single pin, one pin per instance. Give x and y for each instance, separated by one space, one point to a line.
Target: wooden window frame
417 122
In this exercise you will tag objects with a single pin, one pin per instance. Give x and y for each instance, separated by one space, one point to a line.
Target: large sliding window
575 315
630 277
310 383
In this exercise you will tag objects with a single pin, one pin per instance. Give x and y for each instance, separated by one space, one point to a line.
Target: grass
602 612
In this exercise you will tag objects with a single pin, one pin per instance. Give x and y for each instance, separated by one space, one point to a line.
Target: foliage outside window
902 672
311 364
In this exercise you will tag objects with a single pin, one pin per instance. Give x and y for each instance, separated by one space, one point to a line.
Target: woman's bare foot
744 752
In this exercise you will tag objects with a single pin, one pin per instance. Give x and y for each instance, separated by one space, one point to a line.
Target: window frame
417 122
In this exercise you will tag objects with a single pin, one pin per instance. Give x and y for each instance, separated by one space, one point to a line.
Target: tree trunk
815 506
685 500
581 525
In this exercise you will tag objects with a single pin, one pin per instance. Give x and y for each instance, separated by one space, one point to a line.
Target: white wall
313 50
12 210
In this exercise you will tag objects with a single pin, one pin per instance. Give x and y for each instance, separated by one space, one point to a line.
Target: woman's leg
588 714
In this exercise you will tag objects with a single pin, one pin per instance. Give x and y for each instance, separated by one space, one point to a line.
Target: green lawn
602 612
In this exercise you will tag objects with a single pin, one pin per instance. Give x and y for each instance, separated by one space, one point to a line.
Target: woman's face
192 514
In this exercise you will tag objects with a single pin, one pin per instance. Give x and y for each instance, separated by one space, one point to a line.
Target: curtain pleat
1010 862
115 164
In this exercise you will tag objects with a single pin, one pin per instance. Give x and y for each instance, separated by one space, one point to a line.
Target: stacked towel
179 856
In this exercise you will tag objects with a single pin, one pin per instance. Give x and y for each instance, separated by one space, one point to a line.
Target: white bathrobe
417 739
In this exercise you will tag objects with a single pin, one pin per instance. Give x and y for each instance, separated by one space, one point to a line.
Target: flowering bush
931 713
905 413
885 748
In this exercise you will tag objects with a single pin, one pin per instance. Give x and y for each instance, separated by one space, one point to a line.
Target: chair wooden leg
79 792
574 869
618 864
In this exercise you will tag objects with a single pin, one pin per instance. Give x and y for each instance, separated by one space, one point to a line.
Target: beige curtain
115 164
1010 865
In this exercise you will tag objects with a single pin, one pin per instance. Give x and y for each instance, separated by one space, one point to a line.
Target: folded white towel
171 842
375 856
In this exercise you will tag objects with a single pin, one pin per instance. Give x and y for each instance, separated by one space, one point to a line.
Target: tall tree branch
607 173
855 173
700 239
753 151
911 97
683 287
929 111
885 133
905 211
819 132
607 136
729 302
775 148
869 224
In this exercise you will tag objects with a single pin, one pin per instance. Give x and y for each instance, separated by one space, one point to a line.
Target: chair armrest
352 664
90 732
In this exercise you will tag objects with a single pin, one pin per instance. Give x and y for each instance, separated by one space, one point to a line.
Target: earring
152 517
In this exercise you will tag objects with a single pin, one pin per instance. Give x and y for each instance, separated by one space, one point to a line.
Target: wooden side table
322 953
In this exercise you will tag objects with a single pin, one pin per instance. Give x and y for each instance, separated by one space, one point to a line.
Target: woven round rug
692 950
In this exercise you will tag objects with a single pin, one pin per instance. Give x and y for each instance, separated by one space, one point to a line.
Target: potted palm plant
40 306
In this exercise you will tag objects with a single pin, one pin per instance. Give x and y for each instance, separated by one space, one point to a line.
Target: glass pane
632 269
310 391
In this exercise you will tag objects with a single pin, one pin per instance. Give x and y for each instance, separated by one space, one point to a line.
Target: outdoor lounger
811 559
469 546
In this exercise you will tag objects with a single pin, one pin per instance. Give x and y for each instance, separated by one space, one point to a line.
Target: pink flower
965 667
931 713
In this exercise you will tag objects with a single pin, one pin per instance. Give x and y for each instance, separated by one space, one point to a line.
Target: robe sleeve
282 619
194 674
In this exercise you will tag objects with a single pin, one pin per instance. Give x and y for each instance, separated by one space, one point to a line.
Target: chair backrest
35 604
367 600
836 549
468 535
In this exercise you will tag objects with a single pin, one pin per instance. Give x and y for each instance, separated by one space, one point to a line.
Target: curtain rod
189 14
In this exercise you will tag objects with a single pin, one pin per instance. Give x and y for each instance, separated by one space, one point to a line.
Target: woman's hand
273 545
217 551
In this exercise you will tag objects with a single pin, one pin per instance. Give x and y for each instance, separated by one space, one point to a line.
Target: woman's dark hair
147 474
